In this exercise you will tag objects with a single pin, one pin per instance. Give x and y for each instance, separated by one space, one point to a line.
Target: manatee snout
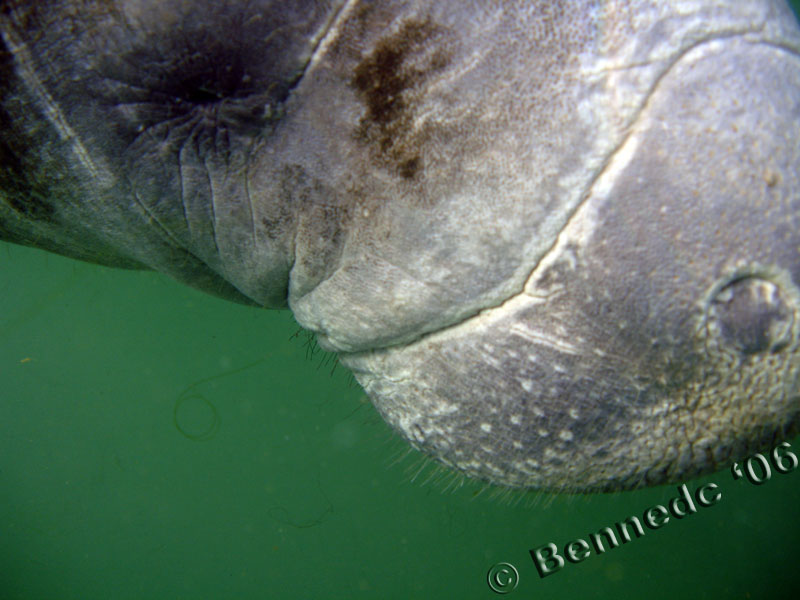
557 243
658 338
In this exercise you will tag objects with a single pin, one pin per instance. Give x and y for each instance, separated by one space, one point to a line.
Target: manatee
556 243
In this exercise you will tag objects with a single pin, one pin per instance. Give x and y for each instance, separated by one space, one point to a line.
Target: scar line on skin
51 109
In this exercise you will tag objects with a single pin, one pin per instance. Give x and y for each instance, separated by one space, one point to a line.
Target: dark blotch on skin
381 79
408 168
387 80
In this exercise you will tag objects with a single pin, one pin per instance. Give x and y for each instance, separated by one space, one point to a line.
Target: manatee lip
439 407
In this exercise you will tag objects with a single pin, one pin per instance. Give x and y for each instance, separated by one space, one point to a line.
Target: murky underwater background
156 442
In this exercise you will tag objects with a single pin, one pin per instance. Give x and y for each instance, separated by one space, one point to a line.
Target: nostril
752 315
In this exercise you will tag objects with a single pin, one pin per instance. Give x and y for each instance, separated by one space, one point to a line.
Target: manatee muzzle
658 338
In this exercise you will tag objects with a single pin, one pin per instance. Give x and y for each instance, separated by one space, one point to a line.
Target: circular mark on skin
196 418
752 315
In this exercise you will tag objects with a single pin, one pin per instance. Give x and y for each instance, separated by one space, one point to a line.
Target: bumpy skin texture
556 242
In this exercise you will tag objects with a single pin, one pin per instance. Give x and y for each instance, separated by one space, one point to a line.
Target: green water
159 443
300 490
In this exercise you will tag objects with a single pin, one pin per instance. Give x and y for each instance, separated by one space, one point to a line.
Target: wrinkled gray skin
557 243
